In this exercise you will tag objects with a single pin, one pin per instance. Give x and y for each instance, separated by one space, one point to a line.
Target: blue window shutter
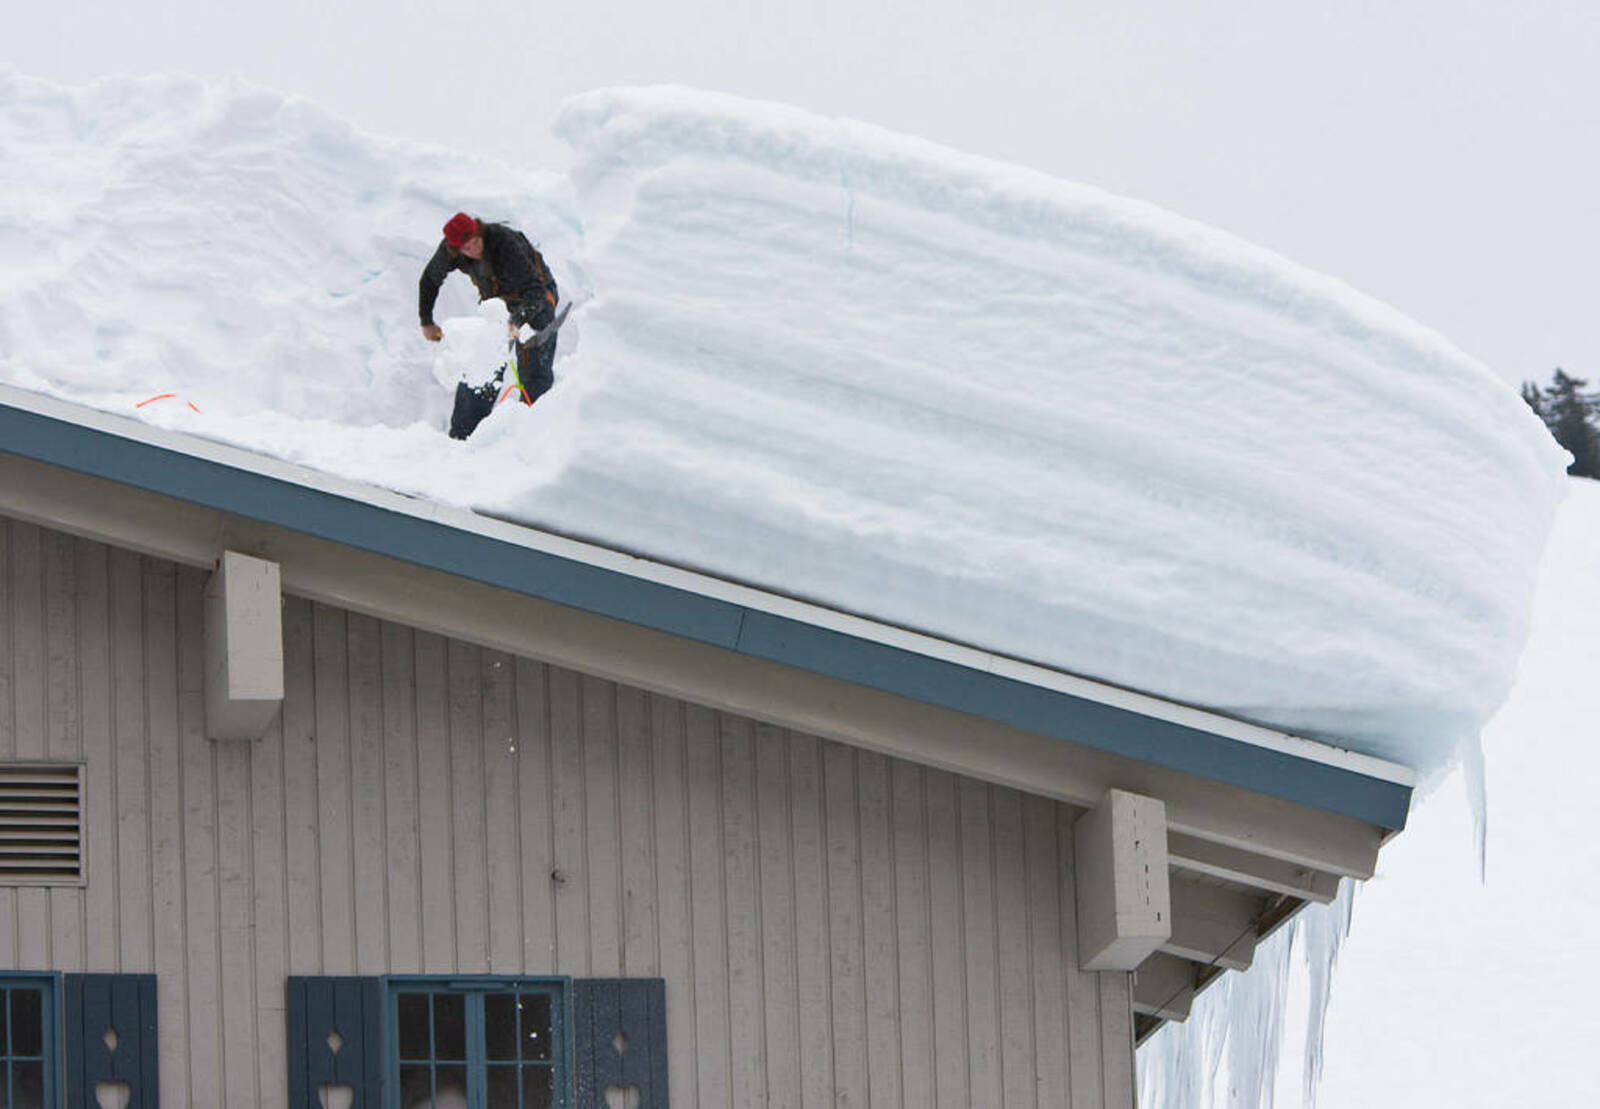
626 1012
109 1021
335 1038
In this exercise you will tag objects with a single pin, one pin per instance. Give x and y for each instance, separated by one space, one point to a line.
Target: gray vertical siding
835 927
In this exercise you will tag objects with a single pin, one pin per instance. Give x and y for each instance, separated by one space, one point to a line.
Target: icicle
1476 776
1235 1031
1323 928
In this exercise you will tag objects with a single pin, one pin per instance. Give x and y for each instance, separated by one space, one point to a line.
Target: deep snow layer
830 361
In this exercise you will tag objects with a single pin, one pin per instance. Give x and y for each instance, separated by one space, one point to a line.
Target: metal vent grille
41 825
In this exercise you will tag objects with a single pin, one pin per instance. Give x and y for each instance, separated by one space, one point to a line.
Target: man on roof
501 263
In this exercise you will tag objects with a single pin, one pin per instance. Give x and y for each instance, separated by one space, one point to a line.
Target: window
27 1041
482 1043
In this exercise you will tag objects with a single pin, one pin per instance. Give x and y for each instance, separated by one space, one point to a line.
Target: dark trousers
534 362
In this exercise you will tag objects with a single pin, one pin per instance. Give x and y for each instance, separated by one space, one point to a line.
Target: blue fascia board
682 612
1076 719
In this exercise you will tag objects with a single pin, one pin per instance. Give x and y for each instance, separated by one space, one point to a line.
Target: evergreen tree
1572 416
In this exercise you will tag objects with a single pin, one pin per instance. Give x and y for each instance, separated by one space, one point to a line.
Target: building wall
834 927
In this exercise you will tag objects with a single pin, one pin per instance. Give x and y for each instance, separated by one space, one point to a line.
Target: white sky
1438 155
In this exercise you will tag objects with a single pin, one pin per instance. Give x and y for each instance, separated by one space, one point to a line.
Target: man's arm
433 275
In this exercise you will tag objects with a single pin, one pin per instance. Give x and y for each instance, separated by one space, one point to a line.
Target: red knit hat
460 228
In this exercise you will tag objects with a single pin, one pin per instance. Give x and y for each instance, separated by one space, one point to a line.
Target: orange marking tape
168 396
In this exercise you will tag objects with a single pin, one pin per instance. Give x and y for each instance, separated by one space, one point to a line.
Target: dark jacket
510 269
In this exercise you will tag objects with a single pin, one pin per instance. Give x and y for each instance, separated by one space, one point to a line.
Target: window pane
5 1044
538 1087
416 1087
5 1086
27 1085
500 1025
503 1088
27 1022
451 1088
449 1026
413 1019
536 1039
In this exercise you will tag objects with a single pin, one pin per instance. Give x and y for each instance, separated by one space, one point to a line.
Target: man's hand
432 332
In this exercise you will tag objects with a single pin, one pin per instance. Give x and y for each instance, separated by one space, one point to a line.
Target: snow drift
830 361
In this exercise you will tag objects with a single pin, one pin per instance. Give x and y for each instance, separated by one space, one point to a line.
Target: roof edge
611 582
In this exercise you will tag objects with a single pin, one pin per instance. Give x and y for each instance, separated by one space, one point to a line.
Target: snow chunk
1054 423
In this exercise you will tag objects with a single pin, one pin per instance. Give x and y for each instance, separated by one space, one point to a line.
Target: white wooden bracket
244 647
1124 900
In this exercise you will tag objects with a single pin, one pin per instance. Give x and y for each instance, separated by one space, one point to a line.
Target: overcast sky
1441 156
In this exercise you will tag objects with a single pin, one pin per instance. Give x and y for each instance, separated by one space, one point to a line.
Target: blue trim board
720 623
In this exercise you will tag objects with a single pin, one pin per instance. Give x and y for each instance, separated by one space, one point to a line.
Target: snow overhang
704 610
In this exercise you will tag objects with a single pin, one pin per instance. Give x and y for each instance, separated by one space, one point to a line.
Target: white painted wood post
1124 902
244 647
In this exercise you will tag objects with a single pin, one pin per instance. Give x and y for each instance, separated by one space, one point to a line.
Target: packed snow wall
830 361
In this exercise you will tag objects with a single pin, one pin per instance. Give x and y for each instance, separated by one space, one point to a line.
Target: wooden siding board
533 803
433 808
567 822
914 943
63 727
742 900
132 785
166 824
982 953
640 955
402 864
1042 865
8 709
501 756
27 642
1116 1045
675 936
602 858
708 907
269 907
813 960
469 860
100 917
302 866
369 853
842 824
947 937
30 709
235 908
878 928
199 842
64 731
8 638
779 942
1018 1058
334 844
1083 989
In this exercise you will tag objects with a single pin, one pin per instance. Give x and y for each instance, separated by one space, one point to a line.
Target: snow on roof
829 362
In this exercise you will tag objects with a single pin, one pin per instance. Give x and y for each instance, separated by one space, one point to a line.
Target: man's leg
534 363
534 368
